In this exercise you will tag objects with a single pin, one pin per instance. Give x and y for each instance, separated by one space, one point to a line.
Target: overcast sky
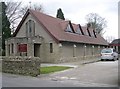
76 10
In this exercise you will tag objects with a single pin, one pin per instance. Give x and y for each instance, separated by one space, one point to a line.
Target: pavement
73 64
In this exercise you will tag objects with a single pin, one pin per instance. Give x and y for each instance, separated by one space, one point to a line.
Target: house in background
116 45
53 40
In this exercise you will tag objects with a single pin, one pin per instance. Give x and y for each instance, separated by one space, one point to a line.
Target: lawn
50 69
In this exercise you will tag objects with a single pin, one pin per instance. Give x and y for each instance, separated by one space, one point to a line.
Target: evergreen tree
6 31
60 14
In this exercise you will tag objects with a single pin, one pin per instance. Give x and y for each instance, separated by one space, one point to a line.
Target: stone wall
71 52
46 56
21 65
76 59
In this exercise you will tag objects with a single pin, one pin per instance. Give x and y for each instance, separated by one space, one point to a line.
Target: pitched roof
116 41
56 28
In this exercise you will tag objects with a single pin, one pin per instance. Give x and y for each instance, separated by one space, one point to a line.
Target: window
78 31
12 48
106 51
30 28
114 50
88 32
94 34
81 30
69 29
33 26
27 29
9 49
51 48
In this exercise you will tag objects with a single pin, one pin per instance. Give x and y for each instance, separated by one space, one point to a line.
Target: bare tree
16 10
97 22
12 12
35 6
109 38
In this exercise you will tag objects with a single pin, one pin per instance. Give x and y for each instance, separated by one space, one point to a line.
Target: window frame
69 29
30 28
51 47
12 48
78 31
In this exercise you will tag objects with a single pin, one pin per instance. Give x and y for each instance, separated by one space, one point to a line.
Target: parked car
109 54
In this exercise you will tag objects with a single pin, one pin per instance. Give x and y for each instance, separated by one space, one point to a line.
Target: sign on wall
22 47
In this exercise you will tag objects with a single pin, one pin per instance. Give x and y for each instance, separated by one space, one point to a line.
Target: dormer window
81 29
94 34
86 32
78 31
30 28
69 29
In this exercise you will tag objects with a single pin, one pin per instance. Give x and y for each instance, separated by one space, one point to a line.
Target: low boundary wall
21 65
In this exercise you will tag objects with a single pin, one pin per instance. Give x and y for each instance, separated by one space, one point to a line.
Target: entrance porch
24 46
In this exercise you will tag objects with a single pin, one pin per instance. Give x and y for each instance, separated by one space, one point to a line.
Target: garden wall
21 65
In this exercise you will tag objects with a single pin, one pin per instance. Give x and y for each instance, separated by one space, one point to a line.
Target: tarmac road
99 74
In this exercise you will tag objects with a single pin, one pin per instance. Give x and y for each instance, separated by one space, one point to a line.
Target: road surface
99 74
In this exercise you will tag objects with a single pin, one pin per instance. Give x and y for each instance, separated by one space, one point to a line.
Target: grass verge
51 69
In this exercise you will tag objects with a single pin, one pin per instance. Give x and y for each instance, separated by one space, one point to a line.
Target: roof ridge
54 27
46 14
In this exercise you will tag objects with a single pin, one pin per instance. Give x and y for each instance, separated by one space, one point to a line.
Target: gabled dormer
88 31
81 29
94 34
69 28
78 31
85 31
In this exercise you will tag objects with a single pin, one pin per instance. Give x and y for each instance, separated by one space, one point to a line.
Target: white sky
76 10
